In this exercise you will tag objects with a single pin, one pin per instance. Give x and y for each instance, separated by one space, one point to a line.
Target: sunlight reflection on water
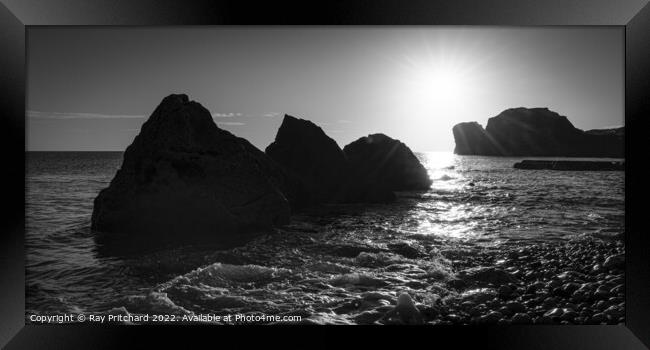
440 217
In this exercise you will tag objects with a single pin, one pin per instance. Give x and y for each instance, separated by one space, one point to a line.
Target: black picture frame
17 15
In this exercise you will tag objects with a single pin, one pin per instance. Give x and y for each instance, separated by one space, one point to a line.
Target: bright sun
439 87
434 90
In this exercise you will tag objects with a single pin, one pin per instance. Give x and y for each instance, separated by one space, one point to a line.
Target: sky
90 89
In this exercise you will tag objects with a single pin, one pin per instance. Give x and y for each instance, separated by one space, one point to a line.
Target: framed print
466 171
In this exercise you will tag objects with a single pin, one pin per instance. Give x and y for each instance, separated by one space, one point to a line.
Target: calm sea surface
474 203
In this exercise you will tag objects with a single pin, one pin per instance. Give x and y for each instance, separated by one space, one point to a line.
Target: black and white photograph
315 175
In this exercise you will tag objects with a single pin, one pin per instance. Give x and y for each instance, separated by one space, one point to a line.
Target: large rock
536 132
183 178
471 138
311 157
382 161
318 168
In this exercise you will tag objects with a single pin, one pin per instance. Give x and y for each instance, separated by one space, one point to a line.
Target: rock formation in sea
380 160
185 178
536 132
471 138
367 170
312 158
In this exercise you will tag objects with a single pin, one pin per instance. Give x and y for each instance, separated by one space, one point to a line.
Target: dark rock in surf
319 169
313 158
184 179
536 132
380 160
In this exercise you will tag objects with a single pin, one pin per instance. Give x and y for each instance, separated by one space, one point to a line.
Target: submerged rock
386 162
184 179
536 132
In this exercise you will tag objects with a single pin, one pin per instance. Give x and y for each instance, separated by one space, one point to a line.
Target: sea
317 264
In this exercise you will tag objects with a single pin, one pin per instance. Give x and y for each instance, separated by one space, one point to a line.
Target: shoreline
580 281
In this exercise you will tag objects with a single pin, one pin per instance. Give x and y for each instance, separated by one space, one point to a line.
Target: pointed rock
184 179
317 167
314 159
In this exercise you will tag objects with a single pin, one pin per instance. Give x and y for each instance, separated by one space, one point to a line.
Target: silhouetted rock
385 162
536 132
184 179
314 159
471 138
318 166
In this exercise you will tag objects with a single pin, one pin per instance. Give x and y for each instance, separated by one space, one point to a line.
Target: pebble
597 318
569 315
619 289
492 317
543 320
533 288
516 307
367 317
602 293
479 295
615 261
504 291
570 287
521 318
404 312
554 313
614 311
456 284
552 284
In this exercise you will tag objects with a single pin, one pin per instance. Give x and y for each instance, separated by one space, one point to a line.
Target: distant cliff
536 132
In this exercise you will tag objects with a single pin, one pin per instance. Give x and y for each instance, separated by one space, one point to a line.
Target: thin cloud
609 127
231 123
344 121
226 115
66 116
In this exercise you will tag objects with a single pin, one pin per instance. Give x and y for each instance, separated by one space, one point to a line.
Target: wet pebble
521 318
504 291
615 261
368 317
554 313
516 307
